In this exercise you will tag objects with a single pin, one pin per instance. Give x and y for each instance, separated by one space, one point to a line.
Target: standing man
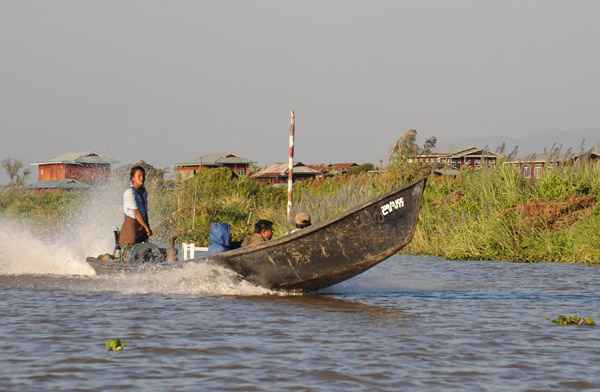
136 227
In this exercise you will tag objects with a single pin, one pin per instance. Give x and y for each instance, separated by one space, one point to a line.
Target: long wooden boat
321 255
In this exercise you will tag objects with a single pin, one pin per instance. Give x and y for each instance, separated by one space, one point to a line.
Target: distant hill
536 142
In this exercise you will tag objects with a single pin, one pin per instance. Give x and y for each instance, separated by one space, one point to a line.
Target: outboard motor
142 252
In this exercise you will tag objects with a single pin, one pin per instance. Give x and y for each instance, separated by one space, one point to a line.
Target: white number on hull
392 206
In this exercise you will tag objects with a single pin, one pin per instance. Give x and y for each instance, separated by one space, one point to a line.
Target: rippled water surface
410 322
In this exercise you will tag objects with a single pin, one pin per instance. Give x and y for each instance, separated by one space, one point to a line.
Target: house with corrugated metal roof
239 166
532 166
73 170
278 173
332 169
459 157
54 185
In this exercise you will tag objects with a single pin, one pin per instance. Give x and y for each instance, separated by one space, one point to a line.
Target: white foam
23 252
86 231
192 279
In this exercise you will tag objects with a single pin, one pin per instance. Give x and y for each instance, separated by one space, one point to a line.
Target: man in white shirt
136 227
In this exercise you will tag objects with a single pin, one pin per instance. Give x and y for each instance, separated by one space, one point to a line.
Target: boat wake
27 260
57 263
35 258
24 252
199 278
192 279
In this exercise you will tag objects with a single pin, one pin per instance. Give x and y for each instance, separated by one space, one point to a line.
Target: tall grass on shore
187 208
489 213
495 214
324 198
45 210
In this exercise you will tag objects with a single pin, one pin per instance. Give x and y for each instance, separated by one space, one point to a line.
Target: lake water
410 322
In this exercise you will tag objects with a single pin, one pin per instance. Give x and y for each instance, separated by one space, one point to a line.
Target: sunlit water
410 322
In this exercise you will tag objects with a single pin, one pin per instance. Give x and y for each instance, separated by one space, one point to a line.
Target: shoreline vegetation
494 214
485 214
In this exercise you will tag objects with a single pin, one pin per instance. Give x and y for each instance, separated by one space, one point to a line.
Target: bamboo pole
195 193
291 164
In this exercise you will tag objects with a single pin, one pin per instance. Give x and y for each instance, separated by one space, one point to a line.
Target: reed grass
47 210
478 215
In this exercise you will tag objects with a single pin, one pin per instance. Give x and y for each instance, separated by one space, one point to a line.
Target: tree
429 145
363 168
152 173
12 168
401 169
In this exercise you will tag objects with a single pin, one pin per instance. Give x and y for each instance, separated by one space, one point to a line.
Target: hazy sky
168 81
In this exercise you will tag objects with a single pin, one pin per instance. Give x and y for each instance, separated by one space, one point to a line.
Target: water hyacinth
115 345
573 320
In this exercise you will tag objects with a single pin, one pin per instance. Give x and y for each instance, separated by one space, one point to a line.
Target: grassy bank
486 214
187 208
495 214
46 211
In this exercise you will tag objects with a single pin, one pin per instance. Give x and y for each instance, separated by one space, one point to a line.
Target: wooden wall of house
55 171
189 171
88 174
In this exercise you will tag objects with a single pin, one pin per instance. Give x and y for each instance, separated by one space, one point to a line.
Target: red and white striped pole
291 164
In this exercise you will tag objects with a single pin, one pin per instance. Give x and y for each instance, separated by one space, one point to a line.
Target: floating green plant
115 345
572 319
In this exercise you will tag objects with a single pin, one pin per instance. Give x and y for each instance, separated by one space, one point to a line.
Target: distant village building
532 166
73 170
278 173
442 170
332 169
238 165
459 157
54 185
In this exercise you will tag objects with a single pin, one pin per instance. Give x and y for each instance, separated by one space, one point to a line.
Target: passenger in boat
301 221
220 239
136 227
263 231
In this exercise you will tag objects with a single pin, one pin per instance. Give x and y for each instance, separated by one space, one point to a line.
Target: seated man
220 239
263 231
302 220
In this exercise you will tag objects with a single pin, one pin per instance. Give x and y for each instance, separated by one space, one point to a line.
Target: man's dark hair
134 169
263 225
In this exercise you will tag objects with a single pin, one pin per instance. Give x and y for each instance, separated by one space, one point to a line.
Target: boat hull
318 256
333 250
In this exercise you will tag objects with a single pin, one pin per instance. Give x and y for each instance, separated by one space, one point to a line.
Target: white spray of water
23 252
88 231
